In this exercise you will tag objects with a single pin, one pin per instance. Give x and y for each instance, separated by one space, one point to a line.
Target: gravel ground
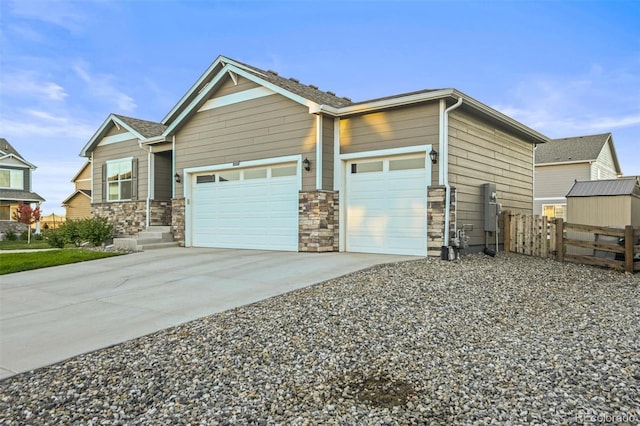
504 340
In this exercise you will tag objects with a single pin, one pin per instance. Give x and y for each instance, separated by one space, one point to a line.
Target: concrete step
159 228
128 244
158 245
155 235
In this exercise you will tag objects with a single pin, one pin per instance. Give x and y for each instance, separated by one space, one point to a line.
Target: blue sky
563 68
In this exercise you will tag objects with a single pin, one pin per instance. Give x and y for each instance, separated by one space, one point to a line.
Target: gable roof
604 187
141 129
323 102
8 151
85 192
84 166
576 149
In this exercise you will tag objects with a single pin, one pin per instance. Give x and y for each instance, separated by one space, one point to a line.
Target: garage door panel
386 211
259 213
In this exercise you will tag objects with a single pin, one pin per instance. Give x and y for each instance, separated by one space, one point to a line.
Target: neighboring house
15 182
561 162
249 159
78 204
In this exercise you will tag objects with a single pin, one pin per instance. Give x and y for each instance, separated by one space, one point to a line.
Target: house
610 203
250 159
78 204
561 162
15 185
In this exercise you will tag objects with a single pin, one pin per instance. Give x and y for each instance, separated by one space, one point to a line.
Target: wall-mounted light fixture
177 177
306 163
434 156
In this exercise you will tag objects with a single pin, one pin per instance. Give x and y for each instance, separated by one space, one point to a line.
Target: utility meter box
490 204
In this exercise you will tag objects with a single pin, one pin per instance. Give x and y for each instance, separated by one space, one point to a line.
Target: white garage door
246 208
387 206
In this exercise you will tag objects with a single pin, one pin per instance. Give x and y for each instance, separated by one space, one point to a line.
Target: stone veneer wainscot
318 221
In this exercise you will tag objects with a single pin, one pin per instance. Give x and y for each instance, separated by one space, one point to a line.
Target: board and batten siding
481 153
262 128
609 211
116 151
604 167
395 128
327 153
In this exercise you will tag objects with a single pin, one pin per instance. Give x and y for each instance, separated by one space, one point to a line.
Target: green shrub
55 238
24 236
11 236
94 230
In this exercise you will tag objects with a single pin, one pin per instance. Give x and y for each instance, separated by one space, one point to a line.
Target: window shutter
134 179
104 182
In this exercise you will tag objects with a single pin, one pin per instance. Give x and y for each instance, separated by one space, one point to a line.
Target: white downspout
173 167
444 158
147 207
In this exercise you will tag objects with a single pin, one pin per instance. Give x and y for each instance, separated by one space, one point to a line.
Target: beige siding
635 210
327 153
267 127
228 87
604 168
397 128
79 207
557 180
83 180
612 211
115 151
480 153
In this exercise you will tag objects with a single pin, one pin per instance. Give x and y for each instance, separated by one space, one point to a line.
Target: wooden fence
614 248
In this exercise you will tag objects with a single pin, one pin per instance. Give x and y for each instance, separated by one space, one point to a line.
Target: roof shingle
575 149
146 128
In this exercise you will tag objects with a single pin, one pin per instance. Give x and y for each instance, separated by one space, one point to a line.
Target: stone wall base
318 221
128 218
177 220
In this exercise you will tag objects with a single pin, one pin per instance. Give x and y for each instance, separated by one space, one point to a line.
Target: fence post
560 239
507 230
628 249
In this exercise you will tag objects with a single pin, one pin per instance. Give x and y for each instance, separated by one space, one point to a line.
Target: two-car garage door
254 208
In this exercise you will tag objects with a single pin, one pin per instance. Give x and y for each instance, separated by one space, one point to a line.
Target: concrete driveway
51 314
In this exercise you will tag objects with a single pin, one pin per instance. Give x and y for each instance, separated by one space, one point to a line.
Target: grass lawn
16 262
22 245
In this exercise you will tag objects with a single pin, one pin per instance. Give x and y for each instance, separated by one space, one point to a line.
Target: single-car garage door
386 208
253 208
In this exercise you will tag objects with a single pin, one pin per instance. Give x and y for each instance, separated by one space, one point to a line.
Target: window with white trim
119 180
12 178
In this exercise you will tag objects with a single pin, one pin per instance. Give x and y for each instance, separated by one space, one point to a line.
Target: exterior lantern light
434 156
307 164
177 177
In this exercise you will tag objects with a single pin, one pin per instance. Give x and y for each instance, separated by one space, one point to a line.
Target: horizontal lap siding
115 151
116 131
228 87
270 126
556 181
397 128
480 153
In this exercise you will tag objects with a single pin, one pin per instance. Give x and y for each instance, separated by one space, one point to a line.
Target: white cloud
29 83
31 123
103 86
599 100
62 13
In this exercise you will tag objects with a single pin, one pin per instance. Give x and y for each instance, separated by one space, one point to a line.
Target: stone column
318 221
177 219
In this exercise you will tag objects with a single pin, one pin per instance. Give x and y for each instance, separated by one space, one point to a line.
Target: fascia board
508 121
389 103
156 139
561 163
98 134
205 75
86 164
20 159
190 92
239 71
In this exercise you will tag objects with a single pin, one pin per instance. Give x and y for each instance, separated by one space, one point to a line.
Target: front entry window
119 182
